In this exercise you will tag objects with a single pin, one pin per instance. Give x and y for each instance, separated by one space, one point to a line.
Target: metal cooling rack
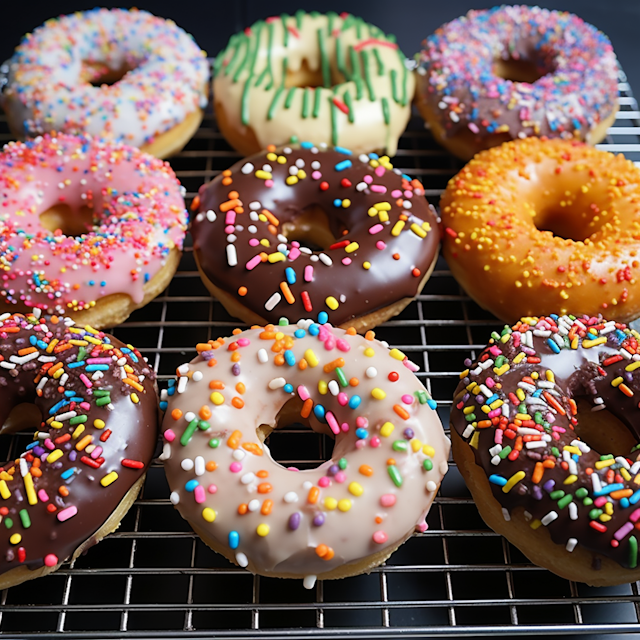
155 578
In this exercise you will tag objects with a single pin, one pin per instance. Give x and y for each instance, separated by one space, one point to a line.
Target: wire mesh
155 578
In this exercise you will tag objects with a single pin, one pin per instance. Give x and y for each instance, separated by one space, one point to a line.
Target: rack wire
155 578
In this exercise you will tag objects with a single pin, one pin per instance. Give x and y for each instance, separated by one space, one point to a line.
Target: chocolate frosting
390 243
80 446
516 408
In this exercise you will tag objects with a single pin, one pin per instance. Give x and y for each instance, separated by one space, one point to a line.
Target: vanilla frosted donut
327 78
156 105
342 518
125 219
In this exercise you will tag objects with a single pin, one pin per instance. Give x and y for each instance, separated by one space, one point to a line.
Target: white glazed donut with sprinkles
59 80
345 516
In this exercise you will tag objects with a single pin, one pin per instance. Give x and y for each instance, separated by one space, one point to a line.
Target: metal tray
155 578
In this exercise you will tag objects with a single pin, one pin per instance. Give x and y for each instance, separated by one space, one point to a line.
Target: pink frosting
138 217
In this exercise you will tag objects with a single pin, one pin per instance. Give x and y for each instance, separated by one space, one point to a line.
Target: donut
515 71
345 516
528 421
88 229
94 400
316 230
328 78
126 75
549 224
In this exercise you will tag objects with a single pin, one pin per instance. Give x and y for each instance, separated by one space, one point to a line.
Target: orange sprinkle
354 382
271 218
242 291
205 412
401 411
272 230
235 357
35 472
236 332
243 508
233 195
240 388
237 402
370 335
63 491
211 465
623 493
265 487
27 351
286 292
627 392
267 505
226 181
229 204
391 461
212 363
378 520
365 470
302 364
216 384
195 203
279 360
234 439
314 494
334 364
203 346
538 471
226 173
554 403
351 331
262 473
252 447
574 406
176 414
306 408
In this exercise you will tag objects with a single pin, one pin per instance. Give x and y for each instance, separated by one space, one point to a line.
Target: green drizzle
379 61
316 102
245 103
326 70
340 60
396 97
355 70
289 99
299 16
331 16
404 78
348 21
347 100
285 31
334 122
367 75
633 552
274 103
305 102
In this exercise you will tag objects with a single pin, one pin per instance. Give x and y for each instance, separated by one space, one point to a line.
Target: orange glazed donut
539 226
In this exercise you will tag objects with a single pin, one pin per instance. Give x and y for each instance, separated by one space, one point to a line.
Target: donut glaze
548 225
384 234
459 88
389 457
516 408
138 211
97 402
51 71
328 78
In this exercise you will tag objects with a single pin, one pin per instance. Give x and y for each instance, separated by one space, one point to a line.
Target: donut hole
602 431
305 76
99 74
22 417
571 223
293 440
521 69
312 229
61 218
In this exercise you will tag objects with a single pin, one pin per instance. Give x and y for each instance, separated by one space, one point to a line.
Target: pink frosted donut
124 218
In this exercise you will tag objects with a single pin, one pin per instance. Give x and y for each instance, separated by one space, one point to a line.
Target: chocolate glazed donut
377 234
96 400
527 419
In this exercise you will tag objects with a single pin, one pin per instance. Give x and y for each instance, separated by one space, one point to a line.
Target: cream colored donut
59 75
327 78
340 519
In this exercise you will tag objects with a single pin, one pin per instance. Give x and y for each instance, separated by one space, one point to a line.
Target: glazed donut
512 72
550 224
113 73
526 421
96 403
88 228
377 236
340 519
328 78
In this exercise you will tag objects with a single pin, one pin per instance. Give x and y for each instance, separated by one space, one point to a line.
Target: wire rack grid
155 578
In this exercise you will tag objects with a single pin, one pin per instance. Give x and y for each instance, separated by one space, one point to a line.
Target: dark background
213 22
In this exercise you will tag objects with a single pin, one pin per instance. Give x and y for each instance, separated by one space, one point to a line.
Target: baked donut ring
526 421
516 71
111 73
89 229
96 403
328 78
340 519
375 237
546 225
